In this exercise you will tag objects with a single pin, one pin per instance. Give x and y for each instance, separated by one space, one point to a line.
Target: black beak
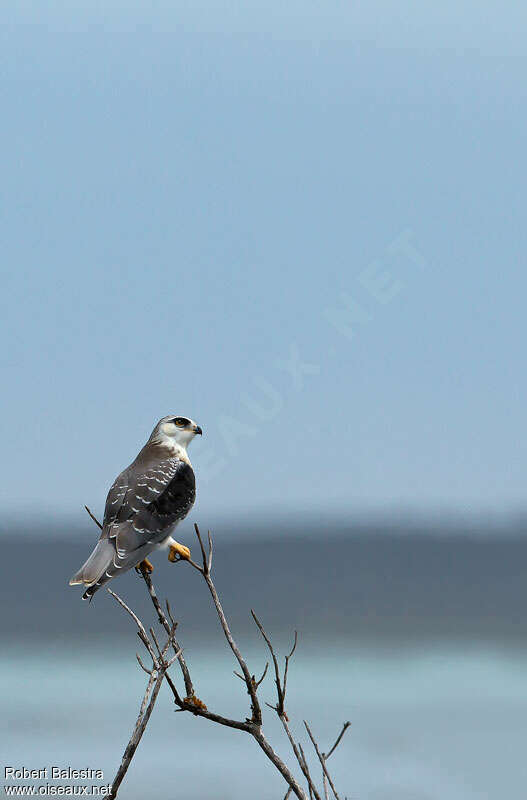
197 430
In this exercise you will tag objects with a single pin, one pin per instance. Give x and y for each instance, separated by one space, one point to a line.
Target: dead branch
322 760
325 756
156 676
189 689
345 727
192 704
205 570
93 518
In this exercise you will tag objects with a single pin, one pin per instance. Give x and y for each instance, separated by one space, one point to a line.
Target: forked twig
322 760
325 756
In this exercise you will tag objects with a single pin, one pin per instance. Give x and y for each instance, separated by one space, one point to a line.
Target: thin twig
202 548
251 688
141 628
142 722
169 612
278 682
253 678
93 517
148 671
322 761
325 786
151 681
286 668
345 727
299 755
325 756
156 677
189 688
279 764
209 559
281 686
263 674
311 786
154 637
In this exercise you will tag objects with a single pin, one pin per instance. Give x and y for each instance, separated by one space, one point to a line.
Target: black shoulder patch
178 497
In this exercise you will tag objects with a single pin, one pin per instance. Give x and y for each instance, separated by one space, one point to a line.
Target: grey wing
116 499
141 511
161 499
133 491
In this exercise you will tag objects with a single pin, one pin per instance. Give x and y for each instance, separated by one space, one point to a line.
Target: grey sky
190 194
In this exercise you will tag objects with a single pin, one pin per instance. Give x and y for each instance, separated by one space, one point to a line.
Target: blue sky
302 226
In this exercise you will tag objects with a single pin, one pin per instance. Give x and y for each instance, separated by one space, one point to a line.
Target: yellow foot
146 565
176 550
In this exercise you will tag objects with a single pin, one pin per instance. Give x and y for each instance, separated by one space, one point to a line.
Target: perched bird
144 505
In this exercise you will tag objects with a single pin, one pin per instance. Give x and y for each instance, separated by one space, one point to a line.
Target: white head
175 431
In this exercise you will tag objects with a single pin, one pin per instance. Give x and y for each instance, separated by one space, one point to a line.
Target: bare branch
322 760
253 678
189 688
286 668
304 760
202 548
279 764
190 703
93 517
169 612
325 756
209 559
299 755
325 786
277 680
156 676
264 673
141 628
140 726
148 671
154 637
251 688
151 681
339 738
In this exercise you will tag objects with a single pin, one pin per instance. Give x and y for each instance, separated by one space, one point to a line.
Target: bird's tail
90 591
95 566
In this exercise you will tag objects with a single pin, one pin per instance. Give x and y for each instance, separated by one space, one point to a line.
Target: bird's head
175 430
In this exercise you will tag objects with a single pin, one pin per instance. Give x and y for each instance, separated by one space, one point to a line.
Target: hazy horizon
295 525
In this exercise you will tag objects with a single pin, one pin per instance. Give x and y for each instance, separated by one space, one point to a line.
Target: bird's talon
145 565
178 551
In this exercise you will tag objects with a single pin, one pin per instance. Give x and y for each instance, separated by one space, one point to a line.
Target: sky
300 224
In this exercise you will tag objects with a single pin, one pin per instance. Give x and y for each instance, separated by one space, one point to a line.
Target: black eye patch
180 421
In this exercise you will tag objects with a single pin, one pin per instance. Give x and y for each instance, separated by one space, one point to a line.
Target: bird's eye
179 421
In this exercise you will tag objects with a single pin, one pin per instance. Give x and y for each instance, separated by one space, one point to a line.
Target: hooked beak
197 430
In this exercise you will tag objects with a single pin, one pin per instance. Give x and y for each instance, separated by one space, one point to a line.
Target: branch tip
94 518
